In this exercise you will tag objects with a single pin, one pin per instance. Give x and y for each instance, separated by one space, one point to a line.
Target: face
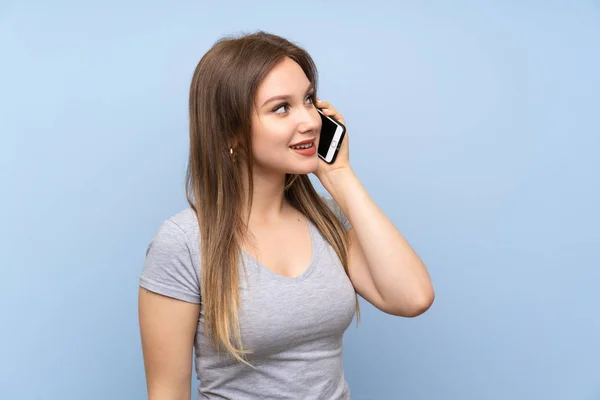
285 122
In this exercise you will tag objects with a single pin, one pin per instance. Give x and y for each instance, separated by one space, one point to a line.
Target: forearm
397 271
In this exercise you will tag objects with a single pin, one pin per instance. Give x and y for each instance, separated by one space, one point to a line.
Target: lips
303 142
307 149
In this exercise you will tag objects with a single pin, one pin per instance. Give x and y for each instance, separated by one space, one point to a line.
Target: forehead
287 77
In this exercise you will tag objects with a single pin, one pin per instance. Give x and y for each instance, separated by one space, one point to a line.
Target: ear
233 143
236 141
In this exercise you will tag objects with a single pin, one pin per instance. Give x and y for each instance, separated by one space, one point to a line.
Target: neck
268 200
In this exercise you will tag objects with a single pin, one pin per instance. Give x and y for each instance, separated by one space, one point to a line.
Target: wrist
338 183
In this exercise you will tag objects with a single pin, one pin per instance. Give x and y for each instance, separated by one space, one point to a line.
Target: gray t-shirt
294 326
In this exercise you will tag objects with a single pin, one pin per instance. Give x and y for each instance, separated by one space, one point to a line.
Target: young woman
260 275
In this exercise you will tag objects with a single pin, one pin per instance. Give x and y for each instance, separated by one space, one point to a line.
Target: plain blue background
474 125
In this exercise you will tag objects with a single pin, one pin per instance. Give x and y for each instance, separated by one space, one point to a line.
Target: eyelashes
310 97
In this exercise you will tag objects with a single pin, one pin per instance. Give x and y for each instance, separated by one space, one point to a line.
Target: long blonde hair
222 94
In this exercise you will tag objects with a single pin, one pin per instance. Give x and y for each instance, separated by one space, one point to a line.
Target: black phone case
339 144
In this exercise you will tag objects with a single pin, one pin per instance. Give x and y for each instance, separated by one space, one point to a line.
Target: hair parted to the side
221 101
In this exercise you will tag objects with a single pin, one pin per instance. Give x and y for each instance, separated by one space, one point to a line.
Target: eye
286 105
310 99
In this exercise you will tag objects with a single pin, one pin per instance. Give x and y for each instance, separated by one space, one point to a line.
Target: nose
309 121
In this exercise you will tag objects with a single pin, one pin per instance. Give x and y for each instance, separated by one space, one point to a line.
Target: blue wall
475 127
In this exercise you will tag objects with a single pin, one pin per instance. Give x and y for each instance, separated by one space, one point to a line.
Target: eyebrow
286 96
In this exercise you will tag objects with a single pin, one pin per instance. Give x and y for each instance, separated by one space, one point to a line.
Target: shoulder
337 211
171 267
179 235
178 229
333 206
185 224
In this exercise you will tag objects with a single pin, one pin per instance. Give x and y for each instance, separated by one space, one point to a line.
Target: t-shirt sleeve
169 268
333 206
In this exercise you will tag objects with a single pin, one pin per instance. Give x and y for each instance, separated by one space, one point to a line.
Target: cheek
267 143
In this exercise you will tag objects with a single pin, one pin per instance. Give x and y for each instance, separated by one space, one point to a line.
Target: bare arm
383 267
167 328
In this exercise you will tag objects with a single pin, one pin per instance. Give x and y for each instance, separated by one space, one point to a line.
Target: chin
306 167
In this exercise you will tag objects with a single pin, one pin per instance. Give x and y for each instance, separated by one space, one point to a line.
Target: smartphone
330 140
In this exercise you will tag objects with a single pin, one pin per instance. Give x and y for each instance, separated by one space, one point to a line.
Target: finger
334 114
323 104
331 111
326 107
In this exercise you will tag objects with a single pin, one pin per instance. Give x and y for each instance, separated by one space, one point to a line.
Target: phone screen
328 129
